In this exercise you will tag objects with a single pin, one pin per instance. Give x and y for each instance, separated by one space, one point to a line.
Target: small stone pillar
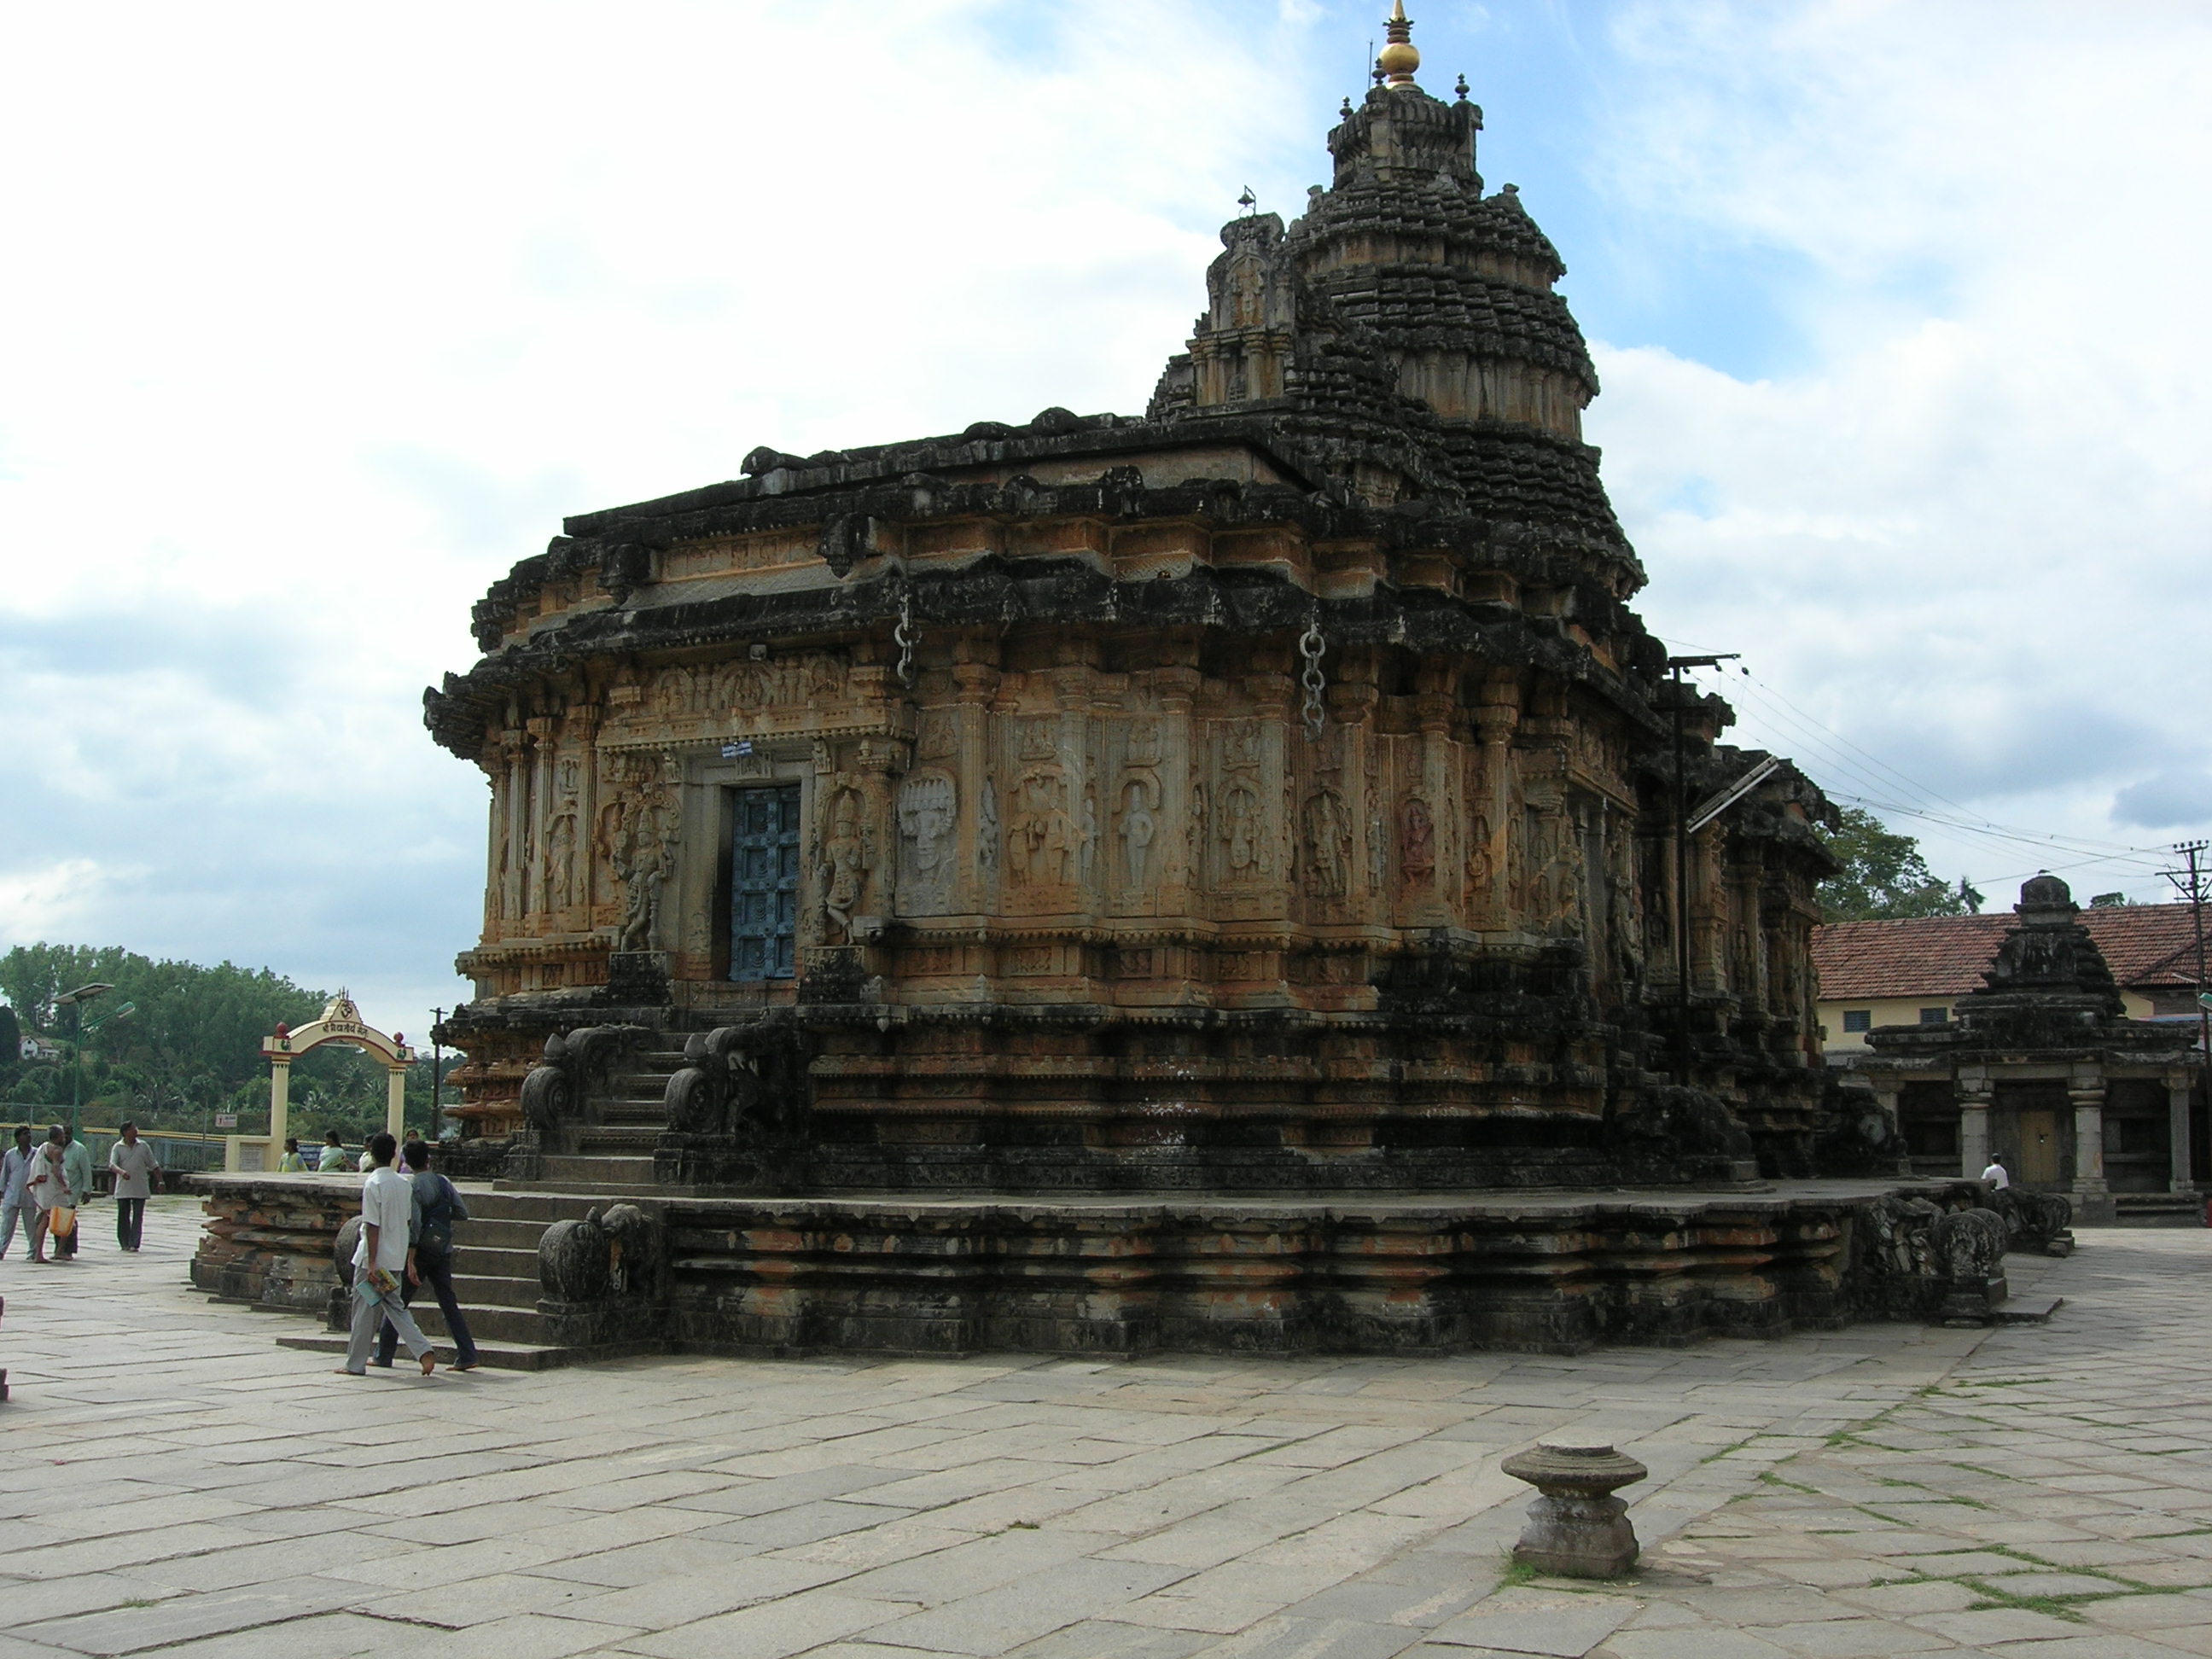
1973 1127
1576 1527
2092 1200
2178 1088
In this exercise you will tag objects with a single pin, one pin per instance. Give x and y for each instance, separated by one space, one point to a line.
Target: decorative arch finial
1400 57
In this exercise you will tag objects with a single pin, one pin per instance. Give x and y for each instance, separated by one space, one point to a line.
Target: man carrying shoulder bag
437 1206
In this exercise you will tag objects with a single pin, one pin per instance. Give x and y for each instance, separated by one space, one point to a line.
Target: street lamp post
75 1001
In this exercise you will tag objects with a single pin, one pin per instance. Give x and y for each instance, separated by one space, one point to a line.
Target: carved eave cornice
997 592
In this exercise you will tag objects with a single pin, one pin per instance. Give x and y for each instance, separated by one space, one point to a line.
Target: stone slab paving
183 1485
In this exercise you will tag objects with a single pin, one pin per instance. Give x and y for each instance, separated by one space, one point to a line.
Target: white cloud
1971 535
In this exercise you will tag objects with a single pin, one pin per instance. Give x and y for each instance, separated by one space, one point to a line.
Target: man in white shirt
135 1166
15 1202
1996 1176
388 1205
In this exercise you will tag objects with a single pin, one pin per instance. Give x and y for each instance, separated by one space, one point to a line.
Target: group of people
42 1189
407 1216
331 1156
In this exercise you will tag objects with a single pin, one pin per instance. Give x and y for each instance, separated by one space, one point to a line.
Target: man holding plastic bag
388 1204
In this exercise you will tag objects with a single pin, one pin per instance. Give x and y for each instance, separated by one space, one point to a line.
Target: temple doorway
763 882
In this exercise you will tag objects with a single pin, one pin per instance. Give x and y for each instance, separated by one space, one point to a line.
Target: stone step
627 1139
2028 1310
497 1260
585 1174
494 1356
474 1289
487 1321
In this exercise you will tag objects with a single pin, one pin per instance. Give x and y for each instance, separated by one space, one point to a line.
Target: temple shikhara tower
1273 793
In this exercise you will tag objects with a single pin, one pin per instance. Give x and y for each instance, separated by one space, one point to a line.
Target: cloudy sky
318 318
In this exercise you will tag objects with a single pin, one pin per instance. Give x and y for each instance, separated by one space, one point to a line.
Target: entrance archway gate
340 1022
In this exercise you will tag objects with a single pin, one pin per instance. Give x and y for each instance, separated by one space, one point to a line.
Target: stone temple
1087 855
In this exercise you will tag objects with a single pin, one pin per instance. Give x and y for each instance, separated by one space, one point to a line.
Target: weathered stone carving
846 856
1141 824
1969 1248
1041 834
1243 844
1417 843
928 812
1328 845
2040 1222
603 1278
559 1090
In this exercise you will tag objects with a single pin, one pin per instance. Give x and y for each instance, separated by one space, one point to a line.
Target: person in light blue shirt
14 1170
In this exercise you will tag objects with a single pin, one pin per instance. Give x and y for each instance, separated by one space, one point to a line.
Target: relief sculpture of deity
1417 843
928 812
844 871
561 861
1328 845
1241 833
1141 824
1042 838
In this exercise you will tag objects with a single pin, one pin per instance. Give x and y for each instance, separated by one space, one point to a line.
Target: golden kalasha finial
1400 57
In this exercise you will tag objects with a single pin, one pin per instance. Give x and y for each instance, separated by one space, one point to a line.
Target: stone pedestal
1576 1527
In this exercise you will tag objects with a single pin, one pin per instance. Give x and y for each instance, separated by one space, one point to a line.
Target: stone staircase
495 1249
614 1155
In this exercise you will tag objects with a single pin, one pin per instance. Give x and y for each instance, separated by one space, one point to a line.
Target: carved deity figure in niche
561 861
1328 845
640 860
1195 835
1089 839
1481 859
844 871
1624 910
1417 843
929 809
1141 824
569 775
1042 836
987 831
1240 844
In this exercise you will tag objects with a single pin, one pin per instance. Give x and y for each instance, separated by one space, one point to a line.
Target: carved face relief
927 809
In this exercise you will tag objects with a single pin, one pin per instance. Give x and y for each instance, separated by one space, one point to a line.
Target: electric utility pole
1678 705
2192 885
437 1077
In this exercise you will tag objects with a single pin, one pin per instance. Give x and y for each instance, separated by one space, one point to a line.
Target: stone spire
1400 57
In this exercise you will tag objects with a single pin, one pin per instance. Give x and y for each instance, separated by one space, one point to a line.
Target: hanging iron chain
1310 647
904 637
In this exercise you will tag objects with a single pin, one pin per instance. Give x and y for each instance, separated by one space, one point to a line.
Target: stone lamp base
1576 1527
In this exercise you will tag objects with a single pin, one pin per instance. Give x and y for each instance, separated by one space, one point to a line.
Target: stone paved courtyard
182 1483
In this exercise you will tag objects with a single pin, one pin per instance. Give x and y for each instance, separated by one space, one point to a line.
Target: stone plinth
269 1239
1576 1527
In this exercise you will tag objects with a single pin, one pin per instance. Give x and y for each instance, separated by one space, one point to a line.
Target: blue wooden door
764 883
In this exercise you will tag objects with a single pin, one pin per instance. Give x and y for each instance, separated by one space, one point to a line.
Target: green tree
1884 878
191 1045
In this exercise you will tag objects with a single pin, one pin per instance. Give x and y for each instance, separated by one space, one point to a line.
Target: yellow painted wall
1905 1011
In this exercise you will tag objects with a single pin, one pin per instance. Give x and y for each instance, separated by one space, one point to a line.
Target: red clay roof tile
2147 944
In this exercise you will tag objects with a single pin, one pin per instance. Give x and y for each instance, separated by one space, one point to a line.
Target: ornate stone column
2178 1088
1974 1090
2092 1200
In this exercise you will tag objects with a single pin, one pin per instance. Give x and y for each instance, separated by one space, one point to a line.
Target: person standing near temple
437 1206
15 1203
333 1154
47 1187
135 1170
388 1202
291 1163
1996 1176
76 1166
